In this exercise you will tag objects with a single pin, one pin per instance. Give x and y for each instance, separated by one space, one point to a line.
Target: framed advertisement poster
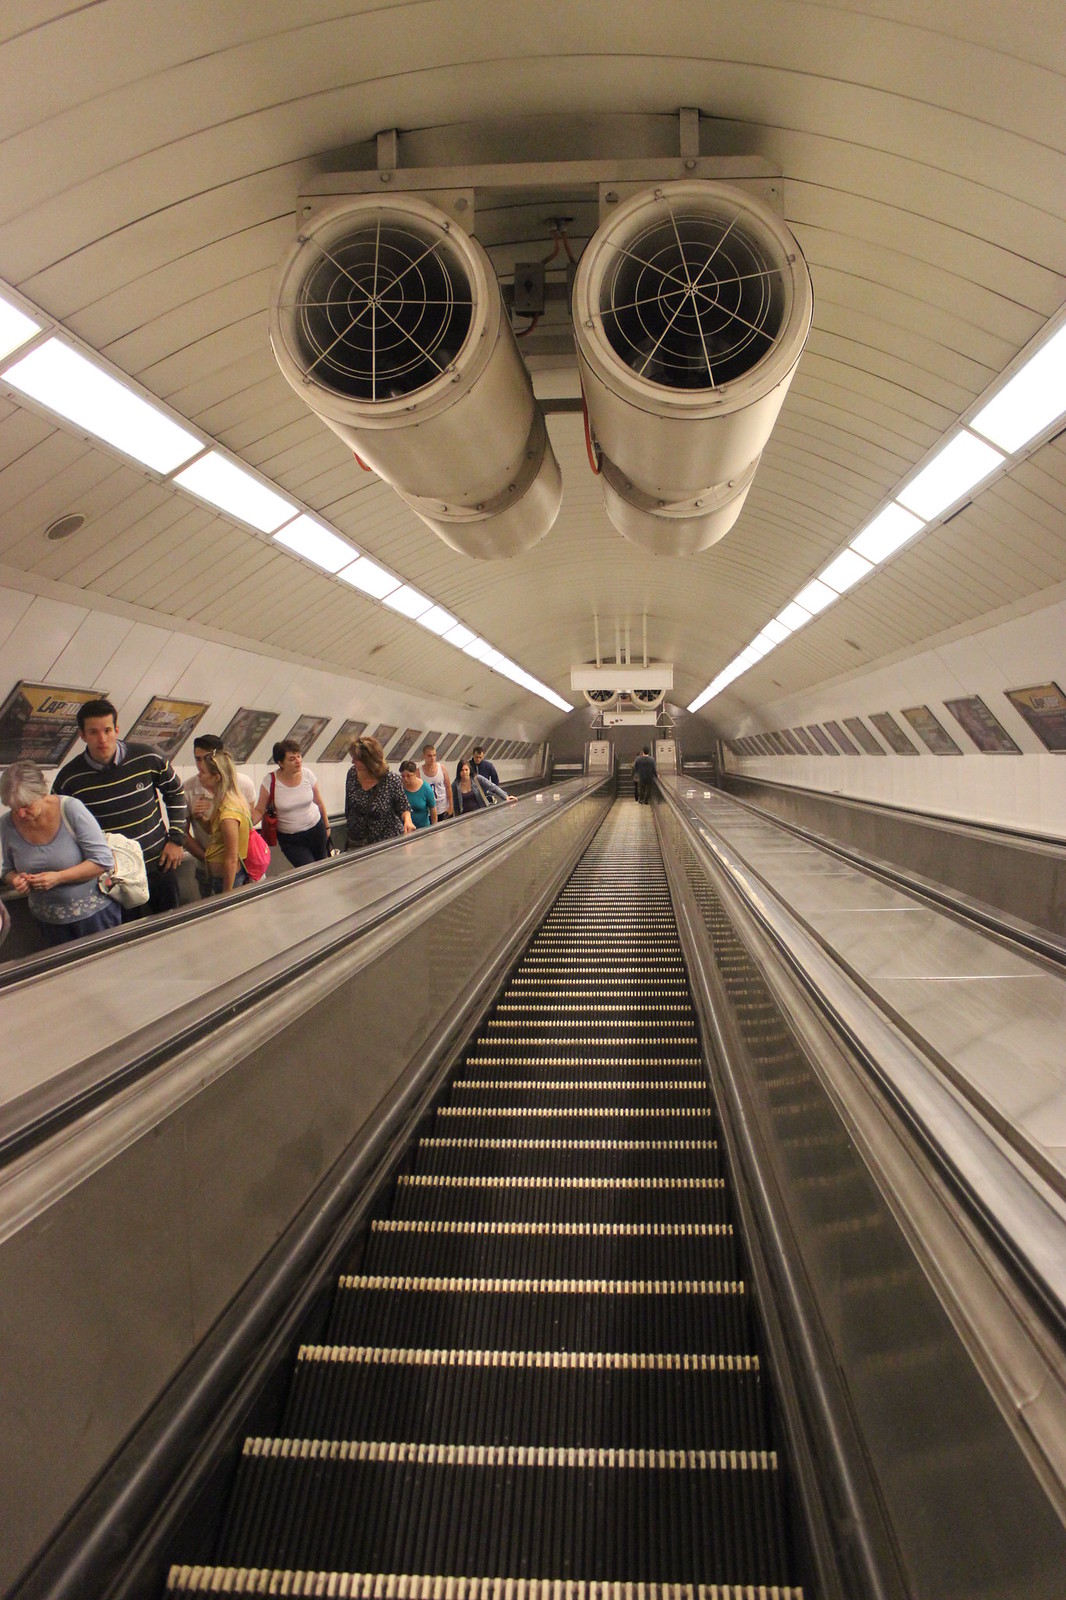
892 733
337 749
807 742
167 724
1044 708
826 744
405 743
39 722
792 743
937 740
446 744
986 730
858 729
245 730
305 730
842 739
384 733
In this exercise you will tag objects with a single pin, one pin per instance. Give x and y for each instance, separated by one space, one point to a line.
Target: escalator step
671 1317
422 1586
415 1248
581 1121
671 1516
578 1158
536 1398
655 1094
504 1201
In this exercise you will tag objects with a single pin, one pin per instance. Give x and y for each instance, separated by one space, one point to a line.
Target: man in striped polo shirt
122 785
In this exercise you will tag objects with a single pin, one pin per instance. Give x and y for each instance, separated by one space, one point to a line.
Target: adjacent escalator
545 1364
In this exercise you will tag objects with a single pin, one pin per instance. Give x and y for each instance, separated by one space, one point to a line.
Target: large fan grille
695 299
383 311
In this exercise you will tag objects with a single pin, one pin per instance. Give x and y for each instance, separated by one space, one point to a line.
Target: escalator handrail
1011 1200
127 933
62 1099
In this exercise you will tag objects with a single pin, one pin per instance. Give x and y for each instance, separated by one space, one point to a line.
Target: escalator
543 1363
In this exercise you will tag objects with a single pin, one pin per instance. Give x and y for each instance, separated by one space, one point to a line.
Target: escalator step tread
563 1398
430 1586
560 1314
541 1367
507 1509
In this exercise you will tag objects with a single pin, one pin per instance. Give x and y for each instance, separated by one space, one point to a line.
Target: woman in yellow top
230 823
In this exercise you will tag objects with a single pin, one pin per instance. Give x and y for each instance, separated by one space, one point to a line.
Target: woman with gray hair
54 850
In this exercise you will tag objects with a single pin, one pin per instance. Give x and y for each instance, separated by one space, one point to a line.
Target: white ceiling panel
147 190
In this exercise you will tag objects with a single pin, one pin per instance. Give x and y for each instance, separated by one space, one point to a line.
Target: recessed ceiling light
62 379
794 616
229 488
15 328
845 571
308 538
1030 401
437 620
366 576
888 531
460 636
955 469
816 596
407 601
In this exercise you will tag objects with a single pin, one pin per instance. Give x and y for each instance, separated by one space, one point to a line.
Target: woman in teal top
420 796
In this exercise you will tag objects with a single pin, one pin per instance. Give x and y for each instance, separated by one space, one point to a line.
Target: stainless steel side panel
934 1364
124 1238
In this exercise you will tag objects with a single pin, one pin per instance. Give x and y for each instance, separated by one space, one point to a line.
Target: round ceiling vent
600 697
383 308
647 697
697 295
63 527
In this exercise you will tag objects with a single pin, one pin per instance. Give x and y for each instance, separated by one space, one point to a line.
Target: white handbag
127 882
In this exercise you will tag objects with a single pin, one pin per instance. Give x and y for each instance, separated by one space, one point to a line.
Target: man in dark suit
644 773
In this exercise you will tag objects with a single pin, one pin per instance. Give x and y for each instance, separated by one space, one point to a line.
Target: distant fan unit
692 305
601 697
647 697
387 321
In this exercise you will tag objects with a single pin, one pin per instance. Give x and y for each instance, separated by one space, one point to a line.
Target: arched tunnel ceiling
151 160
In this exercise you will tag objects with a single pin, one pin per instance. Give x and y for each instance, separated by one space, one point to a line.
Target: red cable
361 462
532 324
593 452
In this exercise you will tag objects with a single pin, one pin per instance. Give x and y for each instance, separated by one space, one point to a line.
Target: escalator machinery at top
544 1365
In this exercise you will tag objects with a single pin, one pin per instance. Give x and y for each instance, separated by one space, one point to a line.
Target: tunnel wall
1024 791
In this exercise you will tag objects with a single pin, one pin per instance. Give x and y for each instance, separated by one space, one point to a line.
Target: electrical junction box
529 288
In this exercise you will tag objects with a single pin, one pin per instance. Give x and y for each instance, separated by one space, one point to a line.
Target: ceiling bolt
386 177
690 166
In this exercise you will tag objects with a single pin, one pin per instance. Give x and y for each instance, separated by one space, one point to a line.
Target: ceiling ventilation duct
692 305
387 320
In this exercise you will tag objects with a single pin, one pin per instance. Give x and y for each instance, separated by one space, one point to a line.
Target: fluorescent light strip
229 488
310 539
62 379
81 390
408 602
16 328
1025 405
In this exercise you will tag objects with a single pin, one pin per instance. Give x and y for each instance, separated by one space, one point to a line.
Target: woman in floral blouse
375 801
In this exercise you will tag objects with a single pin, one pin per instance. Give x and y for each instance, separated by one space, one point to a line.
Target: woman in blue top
54 850
420 796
